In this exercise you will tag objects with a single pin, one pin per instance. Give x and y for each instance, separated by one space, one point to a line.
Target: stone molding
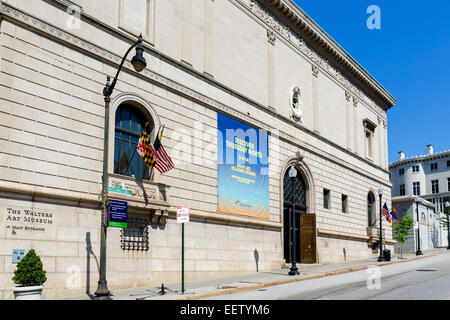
341 235
229 219
74 198
300 44
271 37
141 190
315 70
348 96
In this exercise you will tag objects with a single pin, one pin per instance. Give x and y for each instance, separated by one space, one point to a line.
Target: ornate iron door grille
135 236
299 191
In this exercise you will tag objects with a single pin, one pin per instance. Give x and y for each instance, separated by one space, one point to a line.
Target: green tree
443 220
30 271
402 229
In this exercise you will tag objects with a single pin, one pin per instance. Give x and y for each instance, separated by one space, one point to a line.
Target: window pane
123 158
126 119
129 124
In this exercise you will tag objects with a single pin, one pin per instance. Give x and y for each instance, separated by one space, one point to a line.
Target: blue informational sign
243 168
17 255
117 214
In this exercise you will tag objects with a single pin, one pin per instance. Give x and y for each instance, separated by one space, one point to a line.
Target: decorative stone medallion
296 104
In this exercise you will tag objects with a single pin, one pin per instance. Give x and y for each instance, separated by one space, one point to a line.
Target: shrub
30 271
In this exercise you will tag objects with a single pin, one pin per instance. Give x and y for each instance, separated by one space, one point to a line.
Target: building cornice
310 31
417 159
411 198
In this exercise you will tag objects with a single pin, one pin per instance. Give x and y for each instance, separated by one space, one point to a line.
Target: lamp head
292 172
447 204
380 191
138 60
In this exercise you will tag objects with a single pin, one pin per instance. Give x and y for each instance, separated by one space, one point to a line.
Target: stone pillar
315 74
186 31
347 114
355 125
385 164
271 68
209 33
380 142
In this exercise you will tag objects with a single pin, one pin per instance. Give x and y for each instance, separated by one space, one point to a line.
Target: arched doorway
300 197
371 218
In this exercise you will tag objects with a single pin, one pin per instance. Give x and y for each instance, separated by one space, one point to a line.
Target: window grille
135 236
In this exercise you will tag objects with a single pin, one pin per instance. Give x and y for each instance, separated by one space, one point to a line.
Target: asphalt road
425 279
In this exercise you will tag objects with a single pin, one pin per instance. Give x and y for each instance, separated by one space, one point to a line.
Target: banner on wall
243 168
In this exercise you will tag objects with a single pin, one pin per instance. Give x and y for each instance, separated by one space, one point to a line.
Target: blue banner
243 168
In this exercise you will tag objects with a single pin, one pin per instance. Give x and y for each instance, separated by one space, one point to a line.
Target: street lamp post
381 257
447 212
418 252
293 270
139 64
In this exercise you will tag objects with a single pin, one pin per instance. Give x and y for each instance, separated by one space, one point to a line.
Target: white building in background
426 176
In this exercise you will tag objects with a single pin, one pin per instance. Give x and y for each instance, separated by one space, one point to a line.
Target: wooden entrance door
308 238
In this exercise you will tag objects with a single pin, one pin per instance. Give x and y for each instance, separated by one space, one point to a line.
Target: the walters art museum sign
20 219
243 168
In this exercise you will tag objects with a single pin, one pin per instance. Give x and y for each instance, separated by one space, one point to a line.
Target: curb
279 282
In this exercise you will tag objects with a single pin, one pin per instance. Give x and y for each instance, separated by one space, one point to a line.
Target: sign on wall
117 214
243 168
17 255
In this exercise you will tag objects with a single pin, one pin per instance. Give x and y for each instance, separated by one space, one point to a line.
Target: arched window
370 209
129 124
423 217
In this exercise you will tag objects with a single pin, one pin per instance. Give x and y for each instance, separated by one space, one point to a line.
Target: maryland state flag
145 149
163 161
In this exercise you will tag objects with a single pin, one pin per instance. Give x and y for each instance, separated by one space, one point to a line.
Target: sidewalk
252 281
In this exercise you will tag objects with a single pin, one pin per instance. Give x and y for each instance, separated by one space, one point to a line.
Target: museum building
244 90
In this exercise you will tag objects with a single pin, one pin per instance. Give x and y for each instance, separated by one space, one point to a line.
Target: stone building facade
262 63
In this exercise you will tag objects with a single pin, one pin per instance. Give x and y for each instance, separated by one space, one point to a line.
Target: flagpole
129 162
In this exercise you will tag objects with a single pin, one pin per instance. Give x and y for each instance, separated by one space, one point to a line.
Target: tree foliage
402 229
443 220
30 271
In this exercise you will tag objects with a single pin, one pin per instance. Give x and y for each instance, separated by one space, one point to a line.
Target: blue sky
409 56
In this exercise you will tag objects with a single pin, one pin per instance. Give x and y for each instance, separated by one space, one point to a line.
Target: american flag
385 212
163 161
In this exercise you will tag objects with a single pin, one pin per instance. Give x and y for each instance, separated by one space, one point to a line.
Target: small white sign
182 214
